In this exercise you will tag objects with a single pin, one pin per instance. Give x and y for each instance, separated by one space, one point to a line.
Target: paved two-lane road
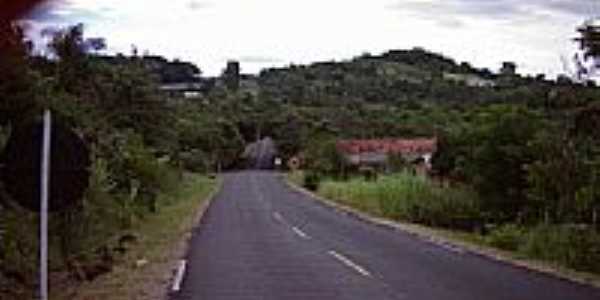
262 240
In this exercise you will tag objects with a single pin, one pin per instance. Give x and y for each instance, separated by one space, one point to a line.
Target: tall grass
409 198
416 199
570 246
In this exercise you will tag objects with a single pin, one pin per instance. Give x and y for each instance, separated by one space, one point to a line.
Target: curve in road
262 240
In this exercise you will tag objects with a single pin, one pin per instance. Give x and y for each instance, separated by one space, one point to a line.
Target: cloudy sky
266 33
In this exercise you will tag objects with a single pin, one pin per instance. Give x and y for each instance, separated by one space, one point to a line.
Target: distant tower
232 75
508 68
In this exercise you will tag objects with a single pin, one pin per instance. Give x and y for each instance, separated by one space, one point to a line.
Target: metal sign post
45 180
41 181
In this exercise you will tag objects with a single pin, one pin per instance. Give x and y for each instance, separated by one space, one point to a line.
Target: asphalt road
262 240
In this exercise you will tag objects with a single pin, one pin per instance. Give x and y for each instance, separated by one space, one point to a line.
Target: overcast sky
266 33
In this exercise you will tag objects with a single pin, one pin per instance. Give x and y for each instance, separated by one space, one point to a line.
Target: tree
554 176
589 39
589 44
496 158
18 83
95 44
509 68
232 75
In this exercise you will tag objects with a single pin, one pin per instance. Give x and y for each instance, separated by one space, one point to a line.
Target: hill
400 76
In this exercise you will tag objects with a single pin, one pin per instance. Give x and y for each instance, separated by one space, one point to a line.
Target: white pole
45 180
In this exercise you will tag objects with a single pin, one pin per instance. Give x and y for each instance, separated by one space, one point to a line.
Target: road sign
69 162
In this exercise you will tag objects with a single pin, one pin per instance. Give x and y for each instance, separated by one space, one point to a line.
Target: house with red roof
376 152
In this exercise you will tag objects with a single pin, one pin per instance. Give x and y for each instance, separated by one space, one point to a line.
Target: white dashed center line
300 233
350 264
278 217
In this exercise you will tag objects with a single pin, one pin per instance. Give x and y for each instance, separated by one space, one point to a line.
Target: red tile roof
388 146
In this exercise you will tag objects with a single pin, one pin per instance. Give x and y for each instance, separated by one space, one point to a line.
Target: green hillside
399 76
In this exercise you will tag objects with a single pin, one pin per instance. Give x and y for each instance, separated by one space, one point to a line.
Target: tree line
142 146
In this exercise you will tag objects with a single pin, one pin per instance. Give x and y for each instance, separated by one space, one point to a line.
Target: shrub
507 237
195 161
415 199
312 181
323 157
570 246
369 173
397 163
410 198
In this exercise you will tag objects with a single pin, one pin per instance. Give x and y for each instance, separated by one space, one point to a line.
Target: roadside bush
195 161
312 181
145 176
19 247
410 198
506 237
369 173
416 199
570 246
322 156
397 163
399 197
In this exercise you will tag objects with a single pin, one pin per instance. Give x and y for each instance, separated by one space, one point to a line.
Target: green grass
161 237
296 177
354 193
406 197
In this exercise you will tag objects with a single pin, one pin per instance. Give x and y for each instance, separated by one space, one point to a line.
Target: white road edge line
444 245
300 232
179 276
278 217
453 248
350 264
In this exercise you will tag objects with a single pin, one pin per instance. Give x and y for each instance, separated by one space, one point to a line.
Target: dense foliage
526 149
409 198
527 146
519 150
141 146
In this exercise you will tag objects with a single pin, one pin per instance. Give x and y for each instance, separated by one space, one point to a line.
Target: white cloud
209 33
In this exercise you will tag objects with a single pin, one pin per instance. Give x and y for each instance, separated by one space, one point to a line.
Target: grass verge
296 177
145 271
365 207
